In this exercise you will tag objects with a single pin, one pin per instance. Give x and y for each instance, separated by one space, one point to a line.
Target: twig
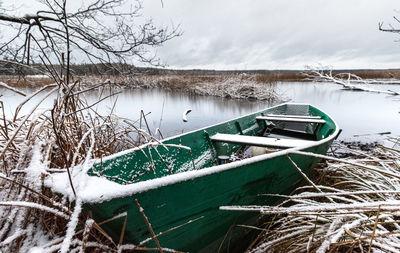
345 161
306 178
121 238
169 230
145 120
374 230
148 225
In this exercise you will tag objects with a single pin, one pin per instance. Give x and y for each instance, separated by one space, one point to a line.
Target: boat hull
198 198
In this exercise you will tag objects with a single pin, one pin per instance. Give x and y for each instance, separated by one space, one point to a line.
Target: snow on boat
183 180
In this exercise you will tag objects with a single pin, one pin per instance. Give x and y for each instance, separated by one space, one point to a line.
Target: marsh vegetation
352 205
355 206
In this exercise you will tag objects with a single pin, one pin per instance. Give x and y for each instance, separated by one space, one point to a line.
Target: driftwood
348 81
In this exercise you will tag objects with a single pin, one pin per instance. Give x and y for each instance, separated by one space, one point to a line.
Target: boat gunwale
155 143
151 184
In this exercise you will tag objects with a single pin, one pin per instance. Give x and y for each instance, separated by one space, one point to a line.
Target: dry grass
182 80
378 74
64 139
353 206
36 145
162 81
229 86
26 81
260 87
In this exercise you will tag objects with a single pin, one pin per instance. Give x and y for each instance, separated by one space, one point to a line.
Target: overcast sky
272 34
278 34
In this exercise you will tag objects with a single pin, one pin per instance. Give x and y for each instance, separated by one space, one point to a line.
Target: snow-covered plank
293 116
297 120
259 141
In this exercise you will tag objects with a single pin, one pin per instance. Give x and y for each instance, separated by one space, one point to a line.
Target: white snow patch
36 168
98 189
71 227
37 76
33 205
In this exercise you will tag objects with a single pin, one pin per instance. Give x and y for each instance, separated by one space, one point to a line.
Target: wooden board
260 141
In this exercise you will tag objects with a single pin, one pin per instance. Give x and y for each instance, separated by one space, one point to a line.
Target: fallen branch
348 81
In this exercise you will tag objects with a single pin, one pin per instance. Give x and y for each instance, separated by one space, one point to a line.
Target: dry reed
353 206
26 81
242 86
38 144
260 87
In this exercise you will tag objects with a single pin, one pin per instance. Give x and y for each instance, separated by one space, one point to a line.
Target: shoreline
172 79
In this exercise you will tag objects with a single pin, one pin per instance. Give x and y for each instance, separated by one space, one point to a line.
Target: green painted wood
175 204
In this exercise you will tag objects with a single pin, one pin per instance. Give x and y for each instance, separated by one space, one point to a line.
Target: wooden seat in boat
259 141
292 118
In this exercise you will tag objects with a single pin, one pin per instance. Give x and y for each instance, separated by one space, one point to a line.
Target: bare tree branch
391 29
109 32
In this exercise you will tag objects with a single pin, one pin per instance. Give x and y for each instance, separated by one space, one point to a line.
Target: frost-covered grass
240 86
254 86
231 86
40 144
354 205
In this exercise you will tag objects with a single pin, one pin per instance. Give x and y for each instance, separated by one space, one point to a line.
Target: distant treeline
125 69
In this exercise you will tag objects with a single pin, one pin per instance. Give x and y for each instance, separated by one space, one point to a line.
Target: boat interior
280 127
281 132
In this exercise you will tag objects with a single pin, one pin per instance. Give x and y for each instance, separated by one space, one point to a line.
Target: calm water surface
357 113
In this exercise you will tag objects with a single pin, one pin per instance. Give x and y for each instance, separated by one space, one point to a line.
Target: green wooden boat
183 180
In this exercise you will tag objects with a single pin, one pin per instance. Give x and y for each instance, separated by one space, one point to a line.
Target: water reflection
166 109
355 112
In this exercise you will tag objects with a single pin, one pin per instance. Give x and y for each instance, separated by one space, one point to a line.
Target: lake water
357 113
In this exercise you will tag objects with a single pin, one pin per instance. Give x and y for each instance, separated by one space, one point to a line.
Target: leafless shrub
107 32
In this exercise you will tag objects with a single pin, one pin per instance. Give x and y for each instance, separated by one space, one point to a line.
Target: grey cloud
280 34
273 33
